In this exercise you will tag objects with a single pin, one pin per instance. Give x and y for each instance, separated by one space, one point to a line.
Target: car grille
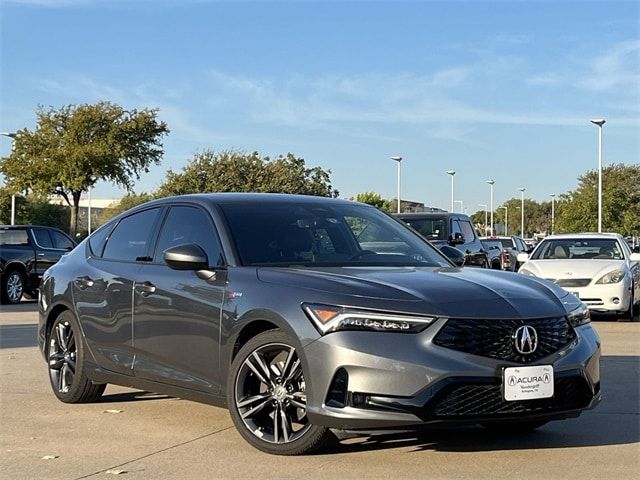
494 338
573 282
486 400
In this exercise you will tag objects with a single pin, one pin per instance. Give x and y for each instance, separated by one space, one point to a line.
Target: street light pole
599 122
12 136
453 174
399 160
553 213
506 220
491 183
484 205
522 190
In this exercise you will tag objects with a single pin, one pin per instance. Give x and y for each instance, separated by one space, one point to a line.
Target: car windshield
578 249
429 228
308 234
506 243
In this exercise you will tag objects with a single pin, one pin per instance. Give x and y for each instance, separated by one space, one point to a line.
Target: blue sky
500 90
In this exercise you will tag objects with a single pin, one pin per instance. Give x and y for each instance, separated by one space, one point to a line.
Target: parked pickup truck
450 230
26 251
511 247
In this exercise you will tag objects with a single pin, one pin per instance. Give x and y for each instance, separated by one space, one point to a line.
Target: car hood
451 292
572 268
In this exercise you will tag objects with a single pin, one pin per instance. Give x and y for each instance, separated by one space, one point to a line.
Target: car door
46 253
103 291
472 247
176 319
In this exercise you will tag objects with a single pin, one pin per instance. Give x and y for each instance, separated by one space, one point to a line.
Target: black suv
445 229
26 251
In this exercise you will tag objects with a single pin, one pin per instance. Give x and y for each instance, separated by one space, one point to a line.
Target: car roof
594 235
18 227
242 197
430 215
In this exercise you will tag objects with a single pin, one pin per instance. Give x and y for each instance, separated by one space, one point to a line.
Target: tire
65 358
12 287
266 397
629 315
510 428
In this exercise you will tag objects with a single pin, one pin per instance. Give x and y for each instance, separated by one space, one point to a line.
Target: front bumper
404 380
613 297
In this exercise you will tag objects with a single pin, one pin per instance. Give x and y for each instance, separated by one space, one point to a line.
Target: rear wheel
12 287
509 428
65 354
267 397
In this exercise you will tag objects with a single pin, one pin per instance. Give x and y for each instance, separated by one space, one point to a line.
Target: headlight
329 318
614 276
579 316
526 271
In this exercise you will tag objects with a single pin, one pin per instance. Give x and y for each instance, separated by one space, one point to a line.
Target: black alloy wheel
268 400
65 354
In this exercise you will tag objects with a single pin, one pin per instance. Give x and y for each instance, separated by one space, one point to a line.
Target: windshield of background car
506 243
322 235
578 249
430 228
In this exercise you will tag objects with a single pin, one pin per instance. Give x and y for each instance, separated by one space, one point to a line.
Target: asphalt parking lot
138 435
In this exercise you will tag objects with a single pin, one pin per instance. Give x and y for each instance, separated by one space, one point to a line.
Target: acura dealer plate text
528 383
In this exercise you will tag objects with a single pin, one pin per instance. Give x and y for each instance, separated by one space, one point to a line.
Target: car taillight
506 261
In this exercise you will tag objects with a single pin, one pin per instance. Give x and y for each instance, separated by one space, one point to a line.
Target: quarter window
189 225
131 238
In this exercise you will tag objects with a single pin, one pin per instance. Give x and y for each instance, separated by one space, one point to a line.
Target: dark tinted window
97 239
189 225
506 243
324 234
467 231
14 237
61 241
431 229
43 239
130 239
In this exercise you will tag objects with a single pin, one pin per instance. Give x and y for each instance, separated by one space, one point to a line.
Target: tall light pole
12 136
506 220
491 183
453 174
522 190
599 122
484 205
399 160
553 212
461 205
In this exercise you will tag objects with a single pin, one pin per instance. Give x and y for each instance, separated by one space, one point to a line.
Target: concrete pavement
151 436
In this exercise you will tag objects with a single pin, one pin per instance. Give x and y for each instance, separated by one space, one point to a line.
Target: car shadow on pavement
18 336
616 421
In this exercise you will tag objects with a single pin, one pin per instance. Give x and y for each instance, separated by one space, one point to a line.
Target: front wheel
267 397
65 354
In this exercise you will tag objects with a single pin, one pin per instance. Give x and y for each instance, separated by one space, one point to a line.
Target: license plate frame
532 382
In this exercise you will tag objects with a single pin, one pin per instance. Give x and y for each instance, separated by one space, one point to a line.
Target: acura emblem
525 339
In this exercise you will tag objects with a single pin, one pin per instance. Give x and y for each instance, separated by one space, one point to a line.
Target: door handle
83 282
145 289
41 254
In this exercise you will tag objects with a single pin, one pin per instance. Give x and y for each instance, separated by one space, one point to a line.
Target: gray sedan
308 317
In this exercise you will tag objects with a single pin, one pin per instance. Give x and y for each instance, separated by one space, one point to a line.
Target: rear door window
61 241
43 239
131 239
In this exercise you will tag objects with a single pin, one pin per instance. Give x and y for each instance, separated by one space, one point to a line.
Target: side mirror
453 254
635 257
186 257
523 257
457 239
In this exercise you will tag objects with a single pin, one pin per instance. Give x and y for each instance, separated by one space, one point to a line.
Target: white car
598 268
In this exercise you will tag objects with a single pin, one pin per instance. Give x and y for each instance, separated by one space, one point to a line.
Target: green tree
372 198
233 171
33 210
128 201
577 211
73 147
